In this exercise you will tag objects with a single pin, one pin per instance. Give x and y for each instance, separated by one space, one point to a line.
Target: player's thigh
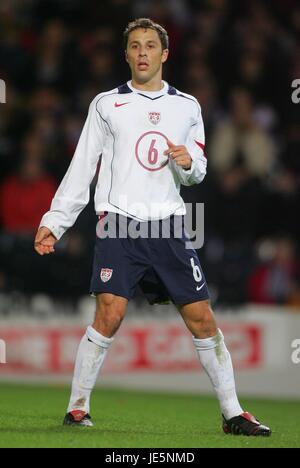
119 264
179 269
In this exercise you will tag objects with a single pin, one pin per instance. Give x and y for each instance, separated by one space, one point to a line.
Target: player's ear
126 55
165 55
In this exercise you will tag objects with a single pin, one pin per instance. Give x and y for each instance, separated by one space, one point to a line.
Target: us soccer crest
154 117
106 274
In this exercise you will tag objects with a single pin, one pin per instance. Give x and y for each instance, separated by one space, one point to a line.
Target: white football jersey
129 129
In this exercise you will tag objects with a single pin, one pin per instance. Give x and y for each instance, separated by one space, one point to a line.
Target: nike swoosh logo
200 145
121 104
200 287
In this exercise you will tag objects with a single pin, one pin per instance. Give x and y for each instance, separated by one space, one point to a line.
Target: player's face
144 54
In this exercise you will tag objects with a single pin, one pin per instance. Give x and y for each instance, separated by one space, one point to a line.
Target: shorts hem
94 292
190 300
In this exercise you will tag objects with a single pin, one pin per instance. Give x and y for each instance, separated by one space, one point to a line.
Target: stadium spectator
239 137
276 279
25 196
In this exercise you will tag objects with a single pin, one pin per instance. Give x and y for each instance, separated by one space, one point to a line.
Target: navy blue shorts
163 267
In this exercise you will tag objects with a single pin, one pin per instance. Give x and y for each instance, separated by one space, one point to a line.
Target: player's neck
151 85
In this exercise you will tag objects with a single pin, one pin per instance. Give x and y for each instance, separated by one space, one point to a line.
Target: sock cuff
97 338
208 343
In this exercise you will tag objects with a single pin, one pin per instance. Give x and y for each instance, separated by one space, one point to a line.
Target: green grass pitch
31 416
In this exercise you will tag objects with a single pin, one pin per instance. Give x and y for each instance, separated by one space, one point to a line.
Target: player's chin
143 76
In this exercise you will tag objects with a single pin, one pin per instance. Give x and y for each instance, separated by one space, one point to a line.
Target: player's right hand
44 241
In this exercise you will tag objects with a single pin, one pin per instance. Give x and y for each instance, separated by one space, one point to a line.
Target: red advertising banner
156 346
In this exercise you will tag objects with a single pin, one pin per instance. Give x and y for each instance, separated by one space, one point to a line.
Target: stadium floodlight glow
2 352
2 92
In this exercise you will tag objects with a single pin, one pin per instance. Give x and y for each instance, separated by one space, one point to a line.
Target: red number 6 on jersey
153 153
149 151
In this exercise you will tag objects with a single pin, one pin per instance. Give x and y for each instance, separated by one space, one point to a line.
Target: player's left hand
180 155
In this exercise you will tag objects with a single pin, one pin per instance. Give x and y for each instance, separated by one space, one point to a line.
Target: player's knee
110 323
207 329
105 300
203 330
109 315
114 311
205 324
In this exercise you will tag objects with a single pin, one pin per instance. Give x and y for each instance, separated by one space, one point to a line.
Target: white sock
216 361
90 356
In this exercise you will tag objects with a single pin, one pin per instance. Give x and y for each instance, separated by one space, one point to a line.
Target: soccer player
150 138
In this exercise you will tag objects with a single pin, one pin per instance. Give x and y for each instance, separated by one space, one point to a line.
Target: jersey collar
150 94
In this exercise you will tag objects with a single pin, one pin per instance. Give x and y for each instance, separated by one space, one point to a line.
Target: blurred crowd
238 58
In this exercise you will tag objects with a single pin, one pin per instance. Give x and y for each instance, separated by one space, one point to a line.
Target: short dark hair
147 23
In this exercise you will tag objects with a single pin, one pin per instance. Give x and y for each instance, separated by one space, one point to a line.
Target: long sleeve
195 146
73 193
